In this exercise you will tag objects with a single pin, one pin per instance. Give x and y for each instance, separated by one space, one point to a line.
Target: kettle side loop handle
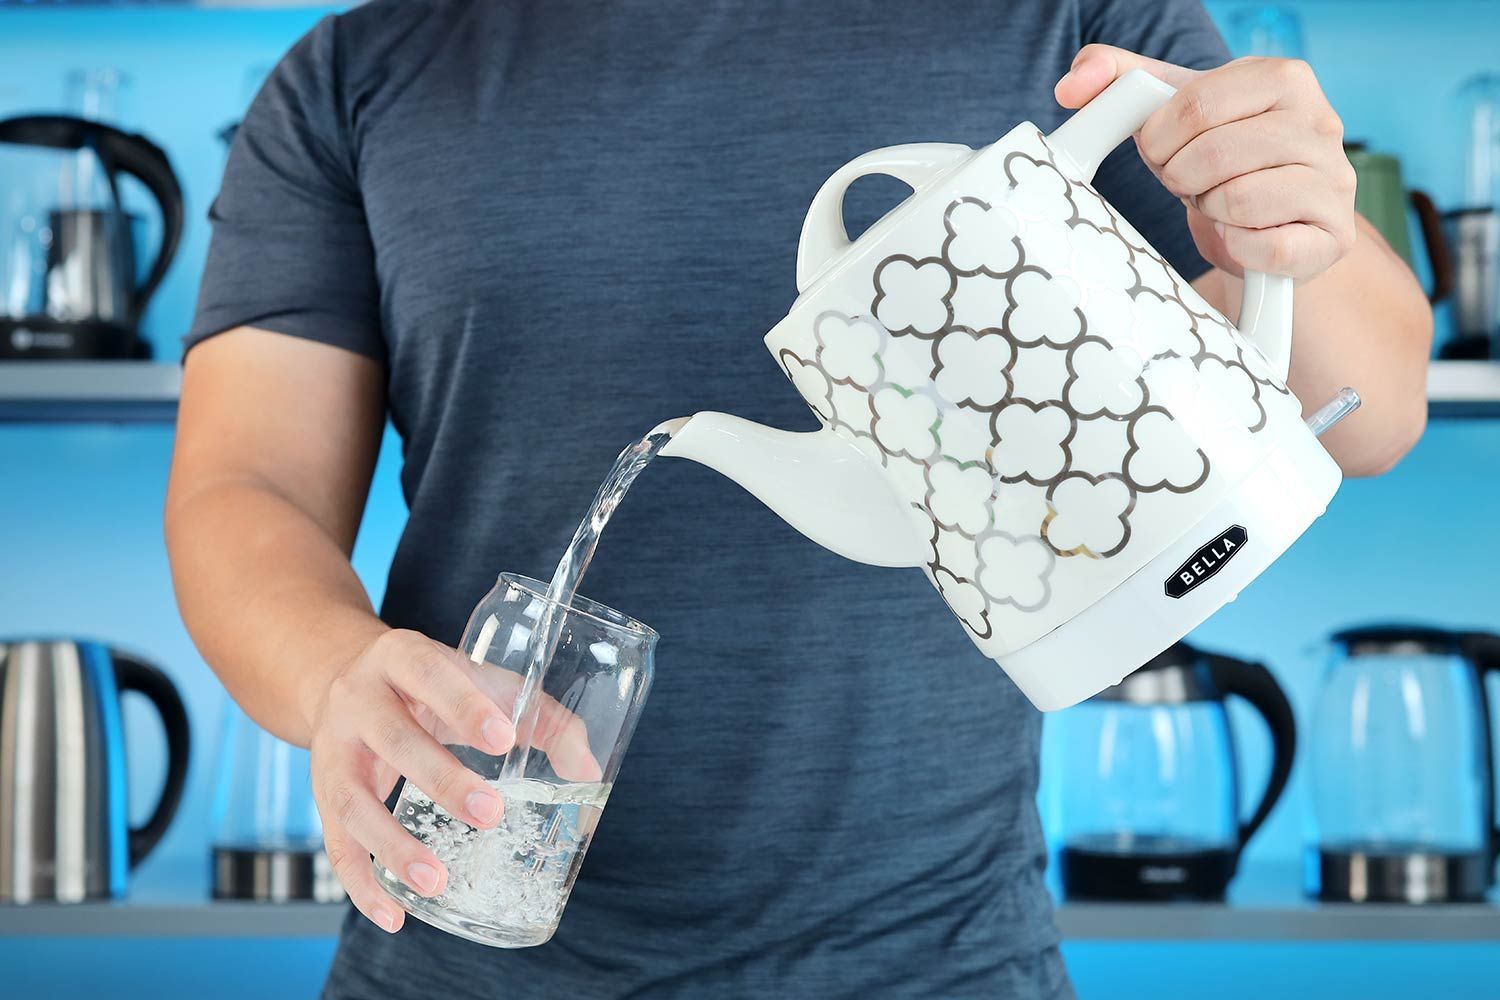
1439 254
1255 683
136 675
824 237
118 151
1093 132
1483 650
146 162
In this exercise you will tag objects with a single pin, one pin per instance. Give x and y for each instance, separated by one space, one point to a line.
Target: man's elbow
1404 429
1402 418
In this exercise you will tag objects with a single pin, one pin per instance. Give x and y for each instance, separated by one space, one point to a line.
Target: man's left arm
1255 153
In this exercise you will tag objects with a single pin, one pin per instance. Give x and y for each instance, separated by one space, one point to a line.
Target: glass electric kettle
68 285
1149 780
267 837
1402 776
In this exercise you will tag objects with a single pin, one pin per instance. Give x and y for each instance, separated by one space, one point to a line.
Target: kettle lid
1407 638
1174 676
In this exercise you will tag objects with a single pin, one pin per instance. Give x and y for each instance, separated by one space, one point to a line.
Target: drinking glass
507 886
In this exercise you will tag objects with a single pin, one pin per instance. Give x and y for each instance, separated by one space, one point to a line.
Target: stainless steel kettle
68 282
64 835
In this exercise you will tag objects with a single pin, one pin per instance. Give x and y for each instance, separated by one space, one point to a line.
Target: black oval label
1207 561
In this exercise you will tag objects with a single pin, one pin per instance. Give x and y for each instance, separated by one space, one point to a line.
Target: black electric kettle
68 284
1149 779
1402 771
64 836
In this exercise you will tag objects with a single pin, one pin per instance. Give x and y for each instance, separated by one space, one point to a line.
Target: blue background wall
81 550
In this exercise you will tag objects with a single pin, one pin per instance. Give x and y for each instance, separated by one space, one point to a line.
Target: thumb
1097 66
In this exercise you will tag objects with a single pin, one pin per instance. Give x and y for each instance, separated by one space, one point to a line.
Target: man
528 232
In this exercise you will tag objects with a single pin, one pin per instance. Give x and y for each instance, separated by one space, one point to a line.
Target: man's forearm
270 599
1363 323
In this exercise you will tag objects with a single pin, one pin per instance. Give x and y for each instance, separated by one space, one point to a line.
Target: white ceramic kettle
1021 396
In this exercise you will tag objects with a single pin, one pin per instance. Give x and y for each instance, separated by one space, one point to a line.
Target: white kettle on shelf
1023 398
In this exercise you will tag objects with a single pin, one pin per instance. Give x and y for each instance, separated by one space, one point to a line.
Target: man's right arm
276 442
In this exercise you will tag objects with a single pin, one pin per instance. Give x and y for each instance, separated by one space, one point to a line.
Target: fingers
444 681
397 739
1097 66
1242 89
557 731
1298 248
351 863
346 798
565 739
1227 151
1267 198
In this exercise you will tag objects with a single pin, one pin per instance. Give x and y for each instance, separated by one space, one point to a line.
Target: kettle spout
819 482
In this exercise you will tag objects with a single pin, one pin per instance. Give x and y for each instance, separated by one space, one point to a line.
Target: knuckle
344 799
1215 153
1176 177
447 781
1090 50
1295 71
342 689
1239 202
1345 179
1196 111
470 705
1279 254
392 643
1328 125
428 666
340 857
395 736
1344 238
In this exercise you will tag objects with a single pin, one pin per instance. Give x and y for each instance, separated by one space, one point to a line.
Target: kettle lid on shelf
1175 676
1398 638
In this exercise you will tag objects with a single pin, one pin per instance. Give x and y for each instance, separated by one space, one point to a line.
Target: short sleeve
1175 31
291 249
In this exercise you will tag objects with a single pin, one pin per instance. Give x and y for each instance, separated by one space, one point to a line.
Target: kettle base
275 875
1185 874
1185 584
1395 876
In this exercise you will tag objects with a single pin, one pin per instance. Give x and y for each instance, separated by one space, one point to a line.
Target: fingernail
484 806
1219 228
423 876
498 734
387 921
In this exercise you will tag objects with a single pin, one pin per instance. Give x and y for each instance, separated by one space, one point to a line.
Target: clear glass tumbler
507 886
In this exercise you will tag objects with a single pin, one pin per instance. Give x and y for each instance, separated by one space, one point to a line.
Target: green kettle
1382 198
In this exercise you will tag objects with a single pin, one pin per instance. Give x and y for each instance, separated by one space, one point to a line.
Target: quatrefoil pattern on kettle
1001 380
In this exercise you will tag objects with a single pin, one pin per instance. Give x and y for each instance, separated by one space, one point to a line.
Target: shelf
1268 908
89 391
1291 921
1464 388
189 919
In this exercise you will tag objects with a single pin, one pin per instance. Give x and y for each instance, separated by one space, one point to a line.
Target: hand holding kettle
1253 149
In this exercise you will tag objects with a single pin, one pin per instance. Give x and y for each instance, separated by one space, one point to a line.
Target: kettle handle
1439 255
120 152
146 162
1255 683
1092 133
143 678
1483 650
824 237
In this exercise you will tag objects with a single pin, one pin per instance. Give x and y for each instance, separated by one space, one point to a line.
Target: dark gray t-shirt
559 223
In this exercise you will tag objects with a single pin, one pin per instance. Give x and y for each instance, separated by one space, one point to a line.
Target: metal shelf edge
1077 921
